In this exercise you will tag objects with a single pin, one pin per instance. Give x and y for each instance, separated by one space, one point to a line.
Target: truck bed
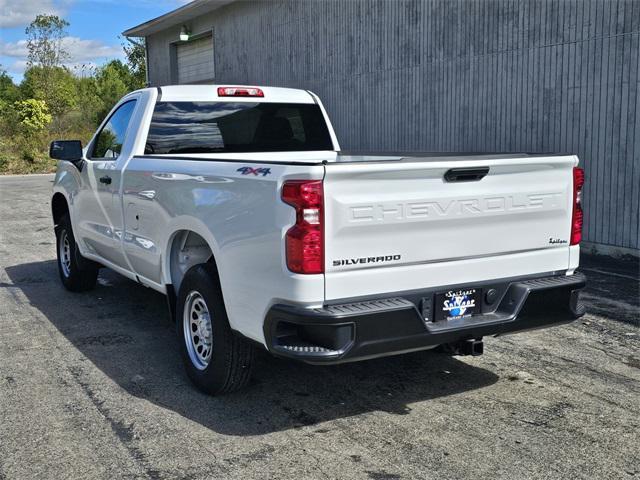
342 157
373 156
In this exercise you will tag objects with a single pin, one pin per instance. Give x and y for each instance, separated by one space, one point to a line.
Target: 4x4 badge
255 171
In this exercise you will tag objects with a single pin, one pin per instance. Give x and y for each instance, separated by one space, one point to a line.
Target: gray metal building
441 75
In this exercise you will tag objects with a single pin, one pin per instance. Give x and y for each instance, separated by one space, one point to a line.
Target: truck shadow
613 287
125 331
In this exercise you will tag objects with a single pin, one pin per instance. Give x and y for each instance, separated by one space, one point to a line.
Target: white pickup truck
237 203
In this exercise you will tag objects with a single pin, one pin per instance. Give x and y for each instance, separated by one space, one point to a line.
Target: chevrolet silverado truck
237 203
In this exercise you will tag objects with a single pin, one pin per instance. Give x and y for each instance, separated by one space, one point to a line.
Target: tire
217 360
77 273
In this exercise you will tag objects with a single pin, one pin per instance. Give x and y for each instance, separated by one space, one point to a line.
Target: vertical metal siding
458 75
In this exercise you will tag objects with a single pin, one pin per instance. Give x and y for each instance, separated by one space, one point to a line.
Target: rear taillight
577 217
304 242
240 92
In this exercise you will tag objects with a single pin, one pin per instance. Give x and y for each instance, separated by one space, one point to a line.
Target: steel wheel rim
65 254
198 333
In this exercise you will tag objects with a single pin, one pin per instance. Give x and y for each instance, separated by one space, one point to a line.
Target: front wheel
77 273
217 360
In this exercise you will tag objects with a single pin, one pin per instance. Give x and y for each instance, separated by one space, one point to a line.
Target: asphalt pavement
92 386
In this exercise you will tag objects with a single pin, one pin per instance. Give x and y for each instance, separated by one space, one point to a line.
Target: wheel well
59 207
187 249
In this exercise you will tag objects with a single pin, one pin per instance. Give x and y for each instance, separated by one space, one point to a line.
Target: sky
92 38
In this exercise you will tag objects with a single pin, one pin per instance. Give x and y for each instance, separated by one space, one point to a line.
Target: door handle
466 174
106 179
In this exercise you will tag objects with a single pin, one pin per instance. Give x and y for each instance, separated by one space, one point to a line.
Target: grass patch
18 158
12 160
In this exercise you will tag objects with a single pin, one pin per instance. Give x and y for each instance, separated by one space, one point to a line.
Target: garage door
195 60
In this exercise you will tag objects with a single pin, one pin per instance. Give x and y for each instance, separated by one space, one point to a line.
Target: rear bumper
403 323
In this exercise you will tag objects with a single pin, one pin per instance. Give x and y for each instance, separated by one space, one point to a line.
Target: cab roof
209 93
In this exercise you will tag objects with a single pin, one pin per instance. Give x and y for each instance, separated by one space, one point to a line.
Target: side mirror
69 150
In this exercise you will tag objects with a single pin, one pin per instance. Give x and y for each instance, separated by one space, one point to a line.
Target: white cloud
17 68
81 52
16 49
18 13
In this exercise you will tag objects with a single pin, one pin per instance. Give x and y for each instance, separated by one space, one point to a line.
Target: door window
109 141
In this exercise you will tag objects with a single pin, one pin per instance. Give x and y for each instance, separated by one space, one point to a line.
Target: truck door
98 211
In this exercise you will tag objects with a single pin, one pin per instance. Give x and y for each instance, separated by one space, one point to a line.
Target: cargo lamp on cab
240 92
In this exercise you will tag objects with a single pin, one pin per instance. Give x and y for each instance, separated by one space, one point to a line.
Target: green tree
9 91
135 51
32 115
30 119
44 41
92 104
56 86
112 83
47 79
51 97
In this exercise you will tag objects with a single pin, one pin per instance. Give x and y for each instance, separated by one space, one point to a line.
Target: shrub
29 119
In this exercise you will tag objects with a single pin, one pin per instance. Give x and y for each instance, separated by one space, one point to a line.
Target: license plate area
458 303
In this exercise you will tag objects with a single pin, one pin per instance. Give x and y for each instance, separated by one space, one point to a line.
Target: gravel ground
91 386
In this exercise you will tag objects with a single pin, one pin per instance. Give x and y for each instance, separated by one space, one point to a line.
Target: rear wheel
76 272
217 360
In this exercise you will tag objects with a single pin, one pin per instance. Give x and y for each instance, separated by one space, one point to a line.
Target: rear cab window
236 127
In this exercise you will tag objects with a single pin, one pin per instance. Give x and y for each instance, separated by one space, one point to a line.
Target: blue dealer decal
458 302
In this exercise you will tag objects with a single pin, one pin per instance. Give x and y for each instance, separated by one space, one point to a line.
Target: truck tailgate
400 225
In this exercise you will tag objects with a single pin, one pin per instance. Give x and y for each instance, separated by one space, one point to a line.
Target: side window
109 141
